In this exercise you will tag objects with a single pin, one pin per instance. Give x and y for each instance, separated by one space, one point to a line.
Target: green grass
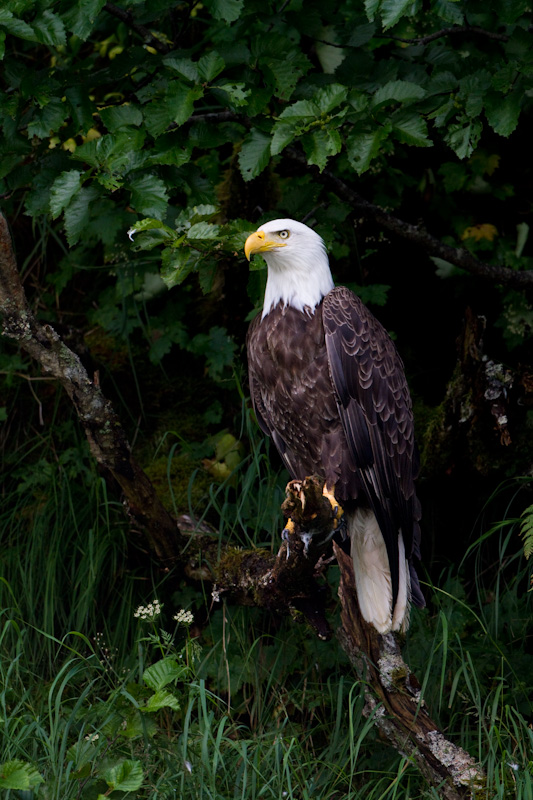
264 709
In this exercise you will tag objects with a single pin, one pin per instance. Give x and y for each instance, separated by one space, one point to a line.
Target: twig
127 18
431 37
414 233
455 30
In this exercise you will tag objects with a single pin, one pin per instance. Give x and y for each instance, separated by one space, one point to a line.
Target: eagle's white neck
300 281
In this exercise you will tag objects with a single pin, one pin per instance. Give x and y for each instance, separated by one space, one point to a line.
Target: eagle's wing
375 409
256 360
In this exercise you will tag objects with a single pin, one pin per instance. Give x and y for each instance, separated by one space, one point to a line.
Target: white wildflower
92 737
150 611
184 617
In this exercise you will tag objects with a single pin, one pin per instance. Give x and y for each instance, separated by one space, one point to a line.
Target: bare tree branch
461 30
417 234
453 31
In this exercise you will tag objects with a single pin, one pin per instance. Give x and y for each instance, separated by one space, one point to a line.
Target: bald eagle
328 386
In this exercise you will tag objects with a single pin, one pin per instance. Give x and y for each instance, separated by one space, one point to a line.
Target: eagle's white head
297 261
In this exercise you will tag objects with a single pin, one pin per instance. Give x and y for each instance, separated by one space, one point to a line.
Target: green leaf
77 214
508 11
149 224
410 128
176 106
237 92
284 73
163 672
392 10
398 92
503 112
449 10
371 8
170 150
373 293
254 154
184 66
283 133
302 109
162 699
463 138
149 195
63 190
116 117
203 230
201 211
49 29
227 10
81 17
49 119
210 65
329 97
127 776
82 107
18 775
17 27
363 147
176 264
320 145
217 347
454 176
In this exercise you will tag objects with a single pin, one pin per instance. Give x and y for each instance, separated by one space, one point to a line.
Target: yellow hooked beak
260 242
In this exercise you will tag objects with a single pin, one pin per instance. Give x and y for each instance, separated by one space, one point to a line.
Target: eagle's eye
284 234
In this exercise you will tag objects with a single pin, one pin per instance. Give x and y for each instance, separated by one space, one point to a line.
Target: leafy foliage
135 119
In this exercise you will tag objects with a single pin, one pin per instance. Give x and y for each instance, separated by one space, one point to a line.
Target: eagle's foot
336 508
286 533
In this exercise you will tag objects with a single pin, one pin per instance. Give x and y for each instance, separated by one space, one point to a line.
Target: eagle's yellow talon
289 528
337 510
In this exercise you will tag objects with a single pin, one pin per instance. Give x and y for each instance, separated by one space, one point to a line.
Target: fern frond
526 530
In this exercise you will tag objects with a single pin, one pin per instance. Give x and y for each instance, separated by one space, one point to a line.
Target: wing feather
375 409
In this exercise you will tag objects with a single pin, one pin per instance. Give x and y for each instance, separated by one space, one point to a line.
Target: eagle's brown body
328 385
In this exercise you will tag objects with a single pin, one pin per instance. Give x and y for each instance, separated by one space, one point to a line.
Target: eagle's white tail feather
402 610
372 574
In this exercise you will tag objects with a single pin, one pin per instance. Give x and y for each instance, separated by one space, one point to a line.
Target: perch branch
127 18
393 698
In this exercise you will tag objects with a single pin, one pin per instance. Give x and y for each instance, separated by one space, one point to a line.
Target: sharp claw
336 510
285 534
